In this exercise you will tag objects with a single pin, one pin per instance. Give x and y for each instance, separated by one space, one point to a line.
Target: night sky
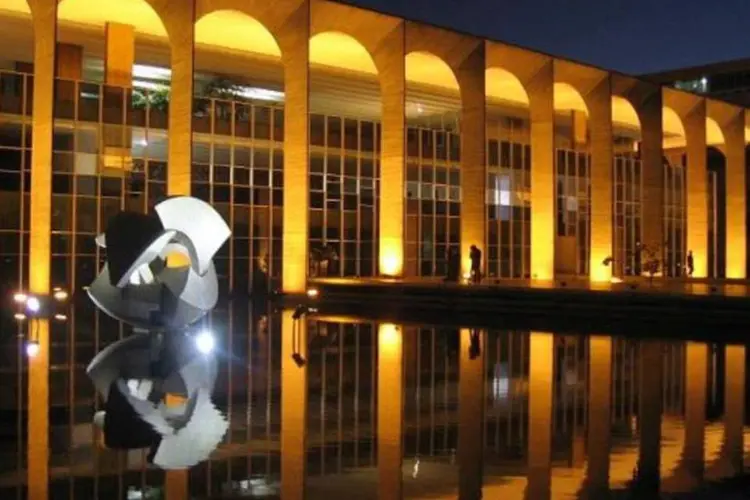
632 36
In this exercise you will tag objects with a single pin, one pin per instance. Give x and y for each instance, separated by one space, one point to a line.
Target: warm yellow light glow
97 13
60 295
568 98
390 410
672 128
60 317
313 293
503 85
600 273
623 113
19 316
229 29
391 260
178 259
339 50
18 6
615 280
714 135
389 338
20 297
172 400
428 69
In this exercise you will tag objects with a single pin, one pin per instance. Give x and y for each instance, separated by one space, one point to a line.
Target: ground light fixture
34 307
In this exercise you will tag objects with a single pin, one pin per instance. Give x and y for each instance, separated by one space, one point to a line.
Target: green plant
159 98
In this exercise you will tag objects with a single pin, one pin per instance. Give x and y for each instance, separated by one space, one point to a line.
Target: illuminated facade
317 127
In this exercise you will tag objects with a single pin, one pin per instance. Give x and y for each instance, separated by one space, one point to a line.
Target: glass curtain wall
713 226
238 161
344 187
675 214
109 154
508 199
628 226
15 184
248 389
573 203
433 198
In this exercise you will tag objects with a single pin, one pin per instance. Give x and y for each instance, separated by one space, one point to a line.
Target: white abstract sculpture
140 286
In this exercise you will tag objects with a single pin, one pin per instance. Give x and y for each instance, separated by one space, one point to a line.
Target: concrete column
579 129
44 19
470 76
120 54
181 42
295 56
696 379
471 399
697 188
734 407
69 63
293 406
180 28
599 102
542 114
390 410
649 416
652 171
392 218
599 418
541 378
735 234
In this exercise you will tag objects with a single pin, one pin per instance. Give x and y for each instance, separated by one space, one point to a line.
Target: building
727 80
311 123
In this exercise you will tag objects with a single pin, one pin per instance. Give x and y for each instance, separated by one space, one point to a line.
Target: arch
503 85
714 134
141 14
428 69
19 6
235 30
624 114
568 98
673 129
339 50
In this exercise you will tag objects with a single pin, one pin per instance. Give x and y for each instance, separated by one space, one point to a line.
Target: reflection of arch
143 15
624 114
428 69
339 50
672 128
504 85
235 30
568 98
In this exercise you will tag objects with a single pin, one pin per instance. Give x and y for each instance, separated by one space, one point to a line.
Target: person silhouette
475 255
690 264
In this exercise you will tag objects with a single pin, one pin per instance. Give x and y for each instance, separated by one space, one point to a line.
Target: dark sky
632 36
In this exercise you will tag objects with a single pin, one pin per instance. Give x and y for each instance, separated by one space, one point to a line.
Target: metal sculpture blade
136 375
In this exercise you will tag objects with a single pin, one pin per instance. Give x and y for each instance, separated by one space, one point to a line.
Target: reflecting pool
340 407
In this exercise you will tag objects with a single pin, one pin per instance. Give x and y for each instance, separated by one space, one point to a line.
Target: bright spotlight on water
204 341
33 304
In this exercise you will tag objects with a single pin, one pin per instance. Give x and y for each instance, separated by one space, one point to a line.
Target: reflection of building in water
341 436
391 149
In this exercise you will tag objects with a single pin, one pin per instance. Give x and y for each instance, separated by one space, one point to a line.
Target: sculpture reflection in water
157 383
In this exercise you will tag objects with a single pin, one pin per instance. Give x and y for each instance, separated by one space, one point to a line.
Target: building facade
727 80
313 127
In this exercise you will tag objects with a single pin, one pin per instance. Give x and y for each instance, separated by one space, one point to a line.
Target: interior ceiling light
151 72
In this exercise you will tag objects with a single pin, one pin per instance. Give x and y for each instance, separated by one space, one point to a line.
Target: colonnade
389 40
